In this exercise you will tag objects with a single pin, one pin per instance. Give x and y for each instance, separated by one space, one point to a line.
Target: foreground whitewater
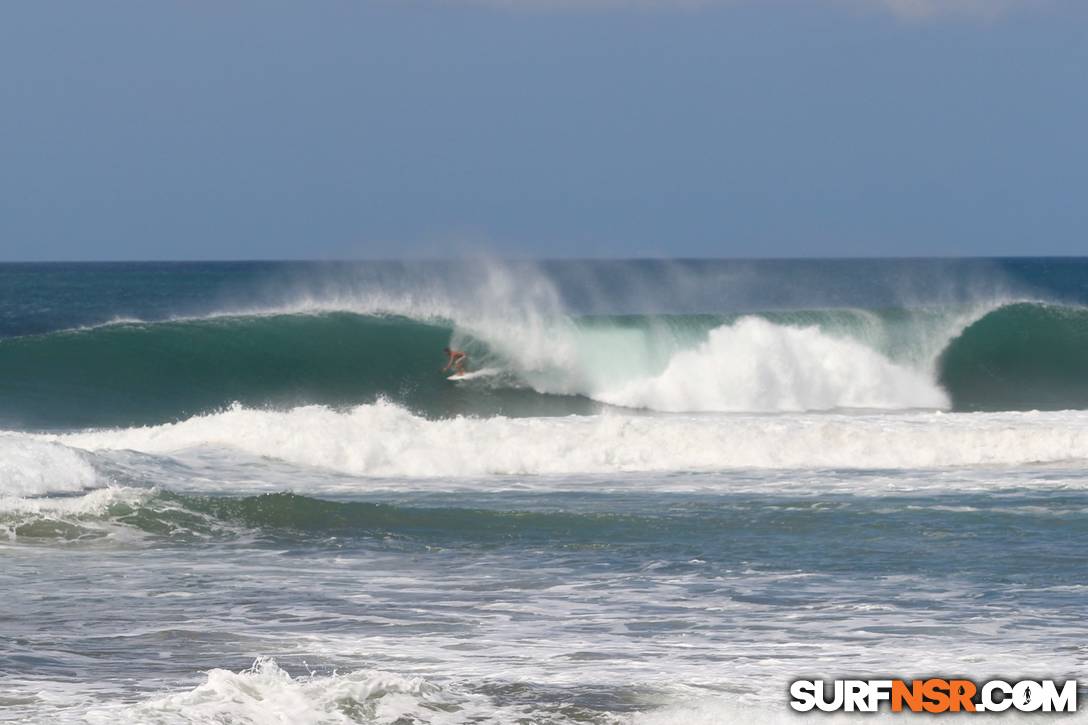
245 493
385 440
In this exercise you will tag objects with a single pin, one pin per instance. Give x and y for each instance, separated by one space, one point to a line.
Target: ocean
246 493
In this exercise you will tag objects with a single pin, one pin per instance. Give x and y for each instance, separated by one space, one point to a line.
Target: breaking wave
1015 356
383 439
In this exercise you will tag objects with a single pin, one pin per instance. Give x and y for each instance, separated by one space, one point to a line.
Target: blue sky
542 128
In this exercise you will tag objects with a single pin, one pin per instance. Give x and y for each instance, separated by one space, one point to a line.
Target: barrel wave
1017 356
139 373
1020 356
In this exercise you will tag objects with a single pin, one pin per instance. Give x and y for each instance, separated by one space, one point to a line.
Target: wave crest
31 467
757 366
267 693
385 440
1013 356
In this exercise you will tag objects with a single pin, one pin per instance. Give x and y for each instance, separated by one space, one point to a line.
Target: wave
196 479
383 439
133 482
1020 356
31 467
288 516
267 693
129 373
755 365
139 372
1014 356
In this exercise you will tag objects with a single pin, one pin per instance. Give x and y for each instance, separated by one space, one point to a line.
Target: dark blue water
40 298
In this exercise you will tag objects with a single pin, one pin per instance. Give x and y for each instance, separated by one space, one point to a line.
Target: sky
245 129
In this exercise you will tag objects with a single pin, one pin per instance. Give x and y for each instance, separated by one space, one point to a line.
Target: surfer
457 360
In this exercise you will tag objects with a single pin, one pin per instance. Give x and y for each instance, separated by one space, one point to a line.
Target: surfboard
473 374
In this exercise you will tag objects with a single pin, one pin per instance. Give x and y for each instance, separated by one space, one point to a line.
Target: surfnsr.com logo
933 695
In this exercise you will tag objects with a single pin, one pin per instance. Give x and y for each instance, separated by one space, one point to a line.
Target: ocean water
245 493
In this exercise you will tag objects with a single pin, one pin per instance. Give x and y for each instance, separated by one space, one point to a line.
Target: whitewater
386 440
246 493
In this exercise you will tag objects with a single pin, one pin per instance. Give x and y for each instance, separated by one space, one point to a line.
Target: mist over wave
573 341
756 365
1013 357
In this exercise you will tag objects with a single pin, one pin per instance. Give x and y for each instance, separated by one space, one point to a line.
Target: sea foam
755 365
266 693
383 439
30 467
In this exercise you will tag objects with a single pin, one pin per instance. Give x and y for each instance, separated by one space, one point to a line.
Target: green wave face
152 372
142 373
1019 356
288 516
139 373
1023 356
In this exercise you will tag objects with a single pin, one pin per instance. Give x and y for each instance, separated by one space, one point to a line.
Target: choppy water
237 493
